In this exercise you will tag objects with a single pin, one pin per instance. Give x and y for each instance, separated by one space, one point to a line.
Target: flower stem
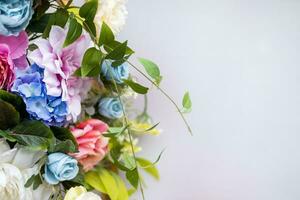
128 130
166 95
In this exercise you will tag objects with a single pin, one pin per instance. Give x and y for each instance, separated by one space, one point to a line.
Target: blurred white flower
17 165
80 193
113 13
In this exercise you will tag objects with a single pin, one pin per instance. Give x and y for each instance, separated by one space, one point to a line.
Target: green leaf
91 61
112 45
136 87
9 116
123 194
128 161
93 180
115 154
115 131
133 177
29 181
74 32
152 69
34 180
90 28
186 102
33 134
40 24
107 182
118 53
64 134
88 10
7 136
37 181
149 167
59 18
151 128
14 100
66 146
106 35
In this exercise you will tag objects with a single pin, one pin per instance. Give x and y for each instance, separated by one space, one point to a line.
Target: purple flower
59 64
49 109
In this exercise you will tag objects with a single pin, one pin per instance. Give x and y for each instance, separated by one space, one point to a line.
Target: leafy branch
165 94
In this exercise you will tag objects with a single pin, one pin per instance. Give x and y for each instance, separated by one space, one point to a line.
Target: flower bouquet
68 126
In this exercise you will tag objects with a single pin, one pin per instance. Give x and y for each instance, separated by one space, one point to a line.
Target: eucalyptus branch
166 95
128 131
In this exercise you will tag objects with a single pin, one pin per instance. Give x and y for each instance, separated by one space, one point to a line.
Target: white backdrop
240 61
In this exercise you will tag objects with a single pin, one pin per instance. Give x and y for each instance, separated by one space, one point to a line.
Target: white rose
113 13
80 193
17 165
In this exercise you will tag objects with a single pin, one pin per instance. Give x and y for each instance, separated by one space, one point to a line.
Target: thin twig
166 95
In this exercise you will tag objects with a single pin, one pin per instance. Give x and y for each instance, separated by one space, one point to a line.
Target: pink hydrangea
12 55
59 65
92 145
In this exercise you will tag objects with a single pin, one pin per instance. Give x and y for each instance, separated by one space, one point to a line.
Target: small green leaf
29 181
66 146
93 180
128 161
91 61
133 177
106 35
136 87
115 131
88 10
123 194
118 53
38 25
152 69
37 181
7 136
33 134
149 167
14 100
74 32
115 156
9 116
90 27
186 102
107 182
113 44
34 180
64 134
151 128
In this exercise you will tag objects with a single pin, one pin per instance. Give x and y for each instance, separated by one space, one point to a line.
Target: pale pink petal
57 37
37 57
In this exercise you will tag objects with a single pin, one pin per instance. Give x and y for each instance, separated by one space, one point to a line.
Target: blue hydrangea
117 73
110 108
14 16
49 109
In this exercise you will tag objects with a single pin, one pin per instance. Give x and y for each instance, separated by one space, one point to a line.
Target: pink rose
92 145
12 55
7 75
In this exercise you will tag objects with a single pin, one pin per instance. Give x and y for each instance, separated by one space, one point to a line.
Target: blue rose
14 16
60 167
110 108
117 73
49 109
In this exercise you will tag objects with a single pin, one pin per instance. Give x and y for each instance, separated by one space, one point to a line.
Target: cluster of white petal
17 165
113 13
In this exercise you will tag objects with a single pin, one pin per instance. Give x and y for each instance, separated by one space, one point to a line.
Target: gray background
240 61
